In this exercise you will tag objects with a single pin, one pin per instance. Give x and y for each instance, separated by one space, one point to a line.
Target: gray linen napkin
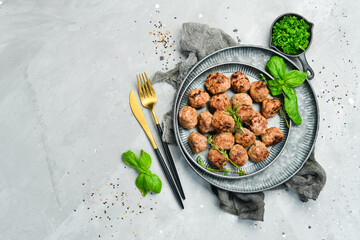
199 40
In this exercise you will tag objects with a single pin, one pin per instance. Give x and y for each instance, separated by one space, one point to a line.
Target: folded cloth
309 181
249 206
199 40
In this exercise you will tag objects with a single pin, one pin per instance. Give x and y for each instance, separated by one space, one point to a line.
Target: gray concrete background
66 70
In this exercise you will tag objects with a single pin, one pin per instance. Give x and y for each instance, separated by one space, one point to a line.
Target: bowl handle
306 67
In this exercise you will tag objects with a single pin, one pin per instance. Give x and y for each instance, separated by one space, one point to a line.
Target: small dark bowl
301 55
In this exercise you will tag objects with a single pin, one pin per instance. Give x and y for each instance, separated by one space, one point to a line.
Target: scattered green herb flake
291 35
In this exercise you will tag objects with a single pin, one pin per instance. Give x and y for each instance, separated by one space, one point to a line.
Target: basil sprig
146 180
284 82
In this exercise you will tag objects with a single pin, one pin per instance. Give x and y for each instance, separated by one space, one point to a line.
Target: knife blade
136 109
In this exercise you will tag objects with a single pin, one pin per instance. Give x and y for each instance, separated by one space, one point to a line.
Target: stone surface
66 70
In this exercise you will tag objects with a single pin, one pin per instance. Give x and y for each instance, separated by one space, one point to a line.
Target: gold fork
148 99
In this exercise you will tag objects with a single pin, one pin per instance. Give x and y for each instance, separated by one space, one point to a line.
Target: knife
135 108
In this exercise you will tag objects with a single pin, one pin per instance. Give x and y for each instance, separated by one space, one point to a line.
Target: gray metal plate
301 138
277 121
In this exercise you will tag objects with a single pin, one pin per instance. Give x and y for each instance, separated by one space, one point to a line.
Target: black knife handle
168 176
171 162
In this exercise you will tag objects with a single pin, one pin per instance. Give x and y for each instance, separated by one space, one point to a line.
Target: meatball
204 120
245 113
224 140
238 155
240 82
222 121
241 99
258 124
217 159
245 138
258 91
217 83
198 98
258 152
188 117
197 142
270 107
272 136
219 102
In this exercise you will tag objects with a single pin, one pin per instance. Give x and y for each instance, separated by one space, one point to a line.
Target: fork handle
171 162
168 176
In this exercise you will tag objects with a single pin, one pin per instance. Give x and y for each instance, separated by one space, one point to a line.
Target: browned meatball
217 159
245 113
188 117
240 82
198 98
272 136
204 120
224 140
258 91
238 155
197 142
258 124
219 102
258 152
217 83
241 99
270 107
245 138
222 121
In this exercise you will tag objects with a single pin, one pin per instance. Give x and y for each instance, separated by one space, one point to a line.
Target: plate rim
296 67
177 131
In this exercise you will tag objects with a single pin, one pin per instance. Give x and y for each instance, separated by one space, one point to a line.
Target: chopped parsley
291 35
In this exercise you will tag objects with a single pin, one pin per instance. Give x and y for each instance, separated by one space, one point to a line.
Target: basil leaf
141 184
145 160
291 106
275 86
276 67
295 78
153 183
131 159
289 92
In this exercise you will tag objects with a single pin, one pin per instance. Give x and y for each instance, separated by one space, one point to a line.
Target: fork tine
145 85
139 87
149 85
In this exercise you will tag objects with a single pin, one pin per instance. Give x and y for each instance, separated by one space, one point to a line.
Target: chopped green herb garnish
291 35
